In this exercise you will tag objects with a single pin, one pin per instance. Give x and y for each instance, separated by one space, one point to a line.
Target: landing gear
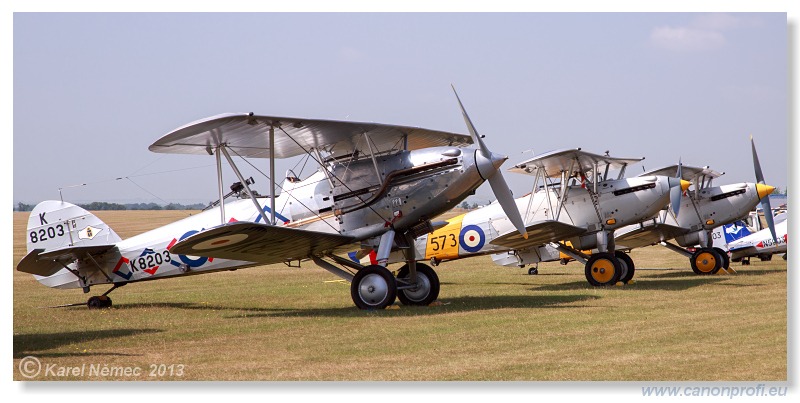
373 287
425 291
99 302
533 271
726 260
603 269
706 261
626 266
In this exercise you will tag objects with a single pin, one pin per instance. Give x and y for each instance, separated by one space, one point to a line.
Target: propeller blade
490 165
507 202
476 138
676 190
764 191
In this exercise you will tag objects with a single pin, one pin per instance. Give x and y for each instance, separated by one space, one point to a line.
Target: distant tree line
127 206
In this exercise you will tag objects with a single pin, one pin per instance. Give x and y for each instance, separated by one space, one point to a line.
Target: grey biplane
377 187
704 208
574 199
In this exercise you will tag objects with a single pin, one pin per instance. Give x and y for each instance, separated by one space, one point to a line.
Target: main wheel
373 287
533 271
626 266
425 291
603 269
706 261
726 260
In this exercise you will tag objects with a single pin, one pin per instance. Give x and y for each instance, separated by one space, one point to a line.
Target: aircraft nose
764 190
488 166
685 185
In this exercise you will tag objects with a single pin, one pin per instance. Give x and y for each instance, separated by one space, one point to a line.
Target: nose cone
685 184
764 190
488 166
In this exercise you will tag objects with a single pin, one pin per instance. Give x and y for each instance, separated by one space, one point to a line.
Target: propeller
763 191
488 166
676 190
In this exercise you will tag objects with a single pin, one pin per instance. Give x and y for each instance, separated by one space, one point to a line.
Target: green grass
280 323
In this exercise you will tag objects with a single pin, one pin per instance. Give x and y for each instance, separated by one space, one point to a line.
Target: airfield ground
494 323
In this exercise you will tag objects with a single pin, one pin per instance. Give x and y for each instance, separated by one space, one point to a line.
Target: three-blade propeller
489 169
764 191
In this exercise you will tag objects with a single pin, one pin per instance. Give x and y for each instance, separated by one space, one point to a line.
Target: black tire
99 302
602 269
726 260
533 271
626 266
428 286
765 258
705 261
373 287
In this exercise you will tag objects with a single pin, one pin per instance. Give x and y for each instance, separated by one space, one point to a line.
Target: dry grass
279 323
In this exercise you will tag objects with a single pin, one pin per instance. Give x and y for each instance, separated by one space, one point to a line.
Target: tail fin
57 225
735 231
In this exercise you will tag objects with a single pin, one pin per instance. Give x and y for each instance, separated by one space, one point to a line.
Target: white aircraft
704 208
761 244
376 186
585 212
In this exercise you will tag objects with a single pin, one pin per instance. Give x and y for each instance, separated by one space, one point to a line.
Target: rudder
57 225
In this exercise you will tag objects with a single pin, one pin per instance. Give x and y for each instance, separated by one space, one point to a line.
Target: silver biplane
377 186
704 208
574 198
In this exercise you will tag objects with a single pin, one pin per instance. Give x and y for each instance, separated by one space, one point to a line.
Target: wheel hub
373 289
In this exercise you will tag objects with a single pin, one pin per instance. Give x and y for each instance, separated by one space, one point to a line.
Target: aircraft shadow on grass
677 284
690 274
32 344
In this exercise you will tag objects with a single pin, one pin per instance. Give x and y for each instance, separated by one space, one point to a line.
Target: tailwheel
533 271
603 269
425 291
726 260
627 267
99 302
373 287
706 261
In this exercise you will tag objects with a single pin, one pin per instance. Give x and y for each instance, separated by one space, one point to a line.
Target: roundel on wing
471 238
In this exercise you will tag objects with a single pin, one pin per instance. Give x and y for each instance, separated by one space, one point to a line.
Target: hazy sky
93 91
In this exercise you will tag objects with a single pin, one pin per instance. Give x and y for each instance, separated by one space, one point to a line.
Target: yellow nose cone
685 184
764 190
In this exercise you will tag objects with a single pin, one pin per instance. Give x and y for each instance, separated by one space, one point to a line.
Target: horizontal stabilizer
538 234
259 243
46 263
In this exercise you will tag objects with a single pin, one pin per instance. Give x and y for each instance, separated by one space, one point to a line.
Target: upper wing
688 173
260 243
538 234
647 234
46 263
248 136
555 162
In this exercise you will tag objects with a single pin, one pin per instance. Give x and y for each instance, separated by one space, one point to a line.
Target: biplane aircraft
704 207
377 186
575 198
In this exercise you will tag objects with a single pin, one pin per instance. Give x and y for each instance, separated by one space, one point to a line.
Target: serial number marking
150 261
52 232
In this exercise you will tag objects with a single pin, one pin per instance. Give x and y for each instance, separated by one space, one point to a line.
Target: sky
93 90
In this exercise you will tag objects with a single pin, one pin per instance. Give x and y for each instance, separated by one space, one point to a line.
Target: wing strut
247 187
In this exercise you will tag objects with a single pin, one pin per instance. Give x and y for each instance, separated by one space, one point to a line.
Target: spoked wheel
603 269
706 261
99 302
627 267
726 260
373 287
424 292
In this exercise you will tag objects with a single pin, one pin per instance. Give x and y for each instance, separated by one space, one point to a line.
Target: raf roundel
220 242
472 238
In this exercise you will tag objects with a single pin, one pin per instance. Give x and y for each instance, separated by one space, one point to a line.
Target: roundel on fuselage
472 238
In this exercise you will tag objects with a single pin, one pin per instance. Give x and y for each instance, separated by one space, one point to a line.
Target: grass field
494 323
